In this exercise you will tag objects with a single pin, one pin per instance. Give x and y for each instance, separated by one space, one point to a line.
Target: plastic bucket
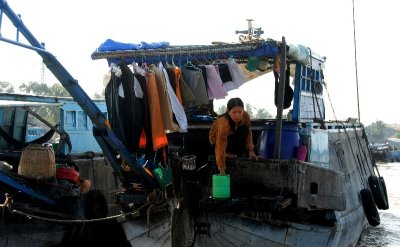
252 63
221 186
289 141
163 176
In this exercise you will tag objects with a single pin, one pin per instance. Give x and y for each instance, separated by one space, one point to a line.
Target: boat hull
332 215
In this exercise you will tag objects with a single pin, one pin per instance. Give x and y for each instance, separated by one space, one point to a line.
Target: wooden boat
323 197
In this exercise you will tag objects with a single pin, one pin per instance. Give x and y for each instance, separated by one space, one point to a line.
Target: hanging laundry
165 105
238 77
195 81
157 127
175 74
224 72
146 141
215 89
114 106
132 109
176 105
188 98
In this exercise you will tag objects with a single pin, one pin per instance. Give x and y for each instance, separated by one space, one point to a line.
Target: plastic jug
221 186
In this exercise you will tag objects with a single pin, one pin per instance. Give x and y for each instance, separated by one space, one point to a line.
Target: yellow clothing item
218 135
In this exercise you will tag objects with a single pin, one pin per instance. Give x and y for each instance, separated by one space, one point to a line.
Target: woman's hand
252 155
222 172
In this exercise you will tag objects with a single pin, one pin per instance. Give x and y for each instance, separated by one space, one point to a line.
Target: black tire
371 212
95 205
377 192
383 185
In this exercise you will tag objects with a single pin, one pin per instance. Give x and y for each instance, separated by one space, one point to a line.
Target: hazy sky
73 29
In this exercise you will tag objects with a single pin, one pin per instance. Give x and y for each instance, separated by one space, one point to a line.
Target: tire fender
371 212
377 192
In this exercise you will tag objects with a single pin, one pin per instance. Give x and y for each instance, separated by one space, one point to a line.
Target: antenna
42 73
251 33
42 70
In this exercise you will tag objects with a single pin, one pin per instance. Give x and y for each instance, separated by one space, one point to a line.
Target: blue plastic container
289 141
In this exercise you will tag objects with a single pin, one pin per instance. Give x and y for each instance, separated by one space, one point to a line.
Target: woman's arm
219 136
249 139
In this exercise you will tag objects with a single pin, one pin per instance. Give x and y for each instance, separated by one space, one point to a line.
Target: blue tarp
111 45
115 51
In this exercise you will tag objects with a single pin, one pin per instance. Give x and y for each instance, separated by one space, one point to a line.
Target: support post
279 108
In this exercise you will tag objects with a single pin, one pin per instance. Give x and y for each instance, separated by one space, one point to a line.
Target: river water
388 232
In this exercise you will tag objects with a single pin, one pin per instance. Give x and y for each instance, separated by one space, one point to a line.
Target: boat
383 152
315 183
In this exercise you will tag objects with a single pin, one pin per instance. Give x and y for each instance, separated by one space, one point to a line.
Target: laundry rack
116 53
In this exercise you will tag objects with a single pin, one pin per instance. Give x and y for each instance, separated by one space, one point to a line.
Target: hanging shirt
165 104
176 82
176 105
195 81
157 127
215 89
238 77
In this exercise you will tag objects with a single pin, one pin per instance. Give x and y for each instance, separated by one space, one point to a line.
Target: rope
119 217
361 150
352 151
330 102
355 62
2 213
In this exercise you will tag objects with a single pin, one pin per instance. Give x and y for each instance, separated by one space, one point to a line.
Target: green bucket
163 175
221 186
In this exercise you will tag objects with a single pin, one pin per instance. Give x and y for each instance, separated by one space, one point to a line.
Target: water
388 232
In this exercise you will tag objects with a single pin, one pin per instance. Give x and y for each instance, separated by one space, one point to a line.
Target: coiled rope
120 217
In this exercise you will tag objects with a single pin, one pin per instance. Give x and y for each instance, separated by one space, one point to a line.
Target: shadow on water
388 232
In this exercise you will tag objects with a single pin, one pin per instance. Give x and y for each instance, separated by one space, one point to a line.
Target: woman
231 134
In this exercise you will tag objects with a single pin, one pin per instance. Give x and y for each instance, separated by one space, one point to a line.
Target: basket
37 161
189 162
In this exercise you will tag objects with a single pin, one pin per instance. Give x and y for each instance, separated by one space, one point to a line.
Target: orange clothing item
177 78
157 128
218 135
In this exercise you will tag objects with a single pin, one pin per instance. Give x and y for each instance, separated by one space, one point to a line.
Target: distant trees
376 131
101 95
254 112
6 87
43 89
50 113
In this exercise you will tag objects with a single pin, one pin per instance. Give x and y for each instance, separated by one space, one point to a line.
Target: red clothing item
218 135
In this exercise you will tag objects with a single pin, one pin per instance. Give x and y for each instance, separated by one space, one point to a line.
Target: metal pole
279 108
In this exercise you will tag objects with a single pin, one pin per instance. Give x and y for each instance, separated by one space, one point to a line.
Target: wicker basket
37 161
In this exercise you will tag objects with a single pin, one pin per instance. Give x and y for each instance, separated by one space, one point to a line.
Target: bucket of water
221 186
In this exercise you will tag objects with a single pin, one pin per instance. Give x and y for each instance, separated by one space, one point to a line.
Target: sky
72 30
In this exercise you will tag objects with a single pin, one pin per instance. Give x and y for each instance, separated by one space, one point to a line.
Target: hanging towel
215 89
238 77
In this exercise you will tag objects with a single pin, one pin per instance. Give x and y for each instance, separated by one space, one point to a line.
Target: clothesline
193 52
